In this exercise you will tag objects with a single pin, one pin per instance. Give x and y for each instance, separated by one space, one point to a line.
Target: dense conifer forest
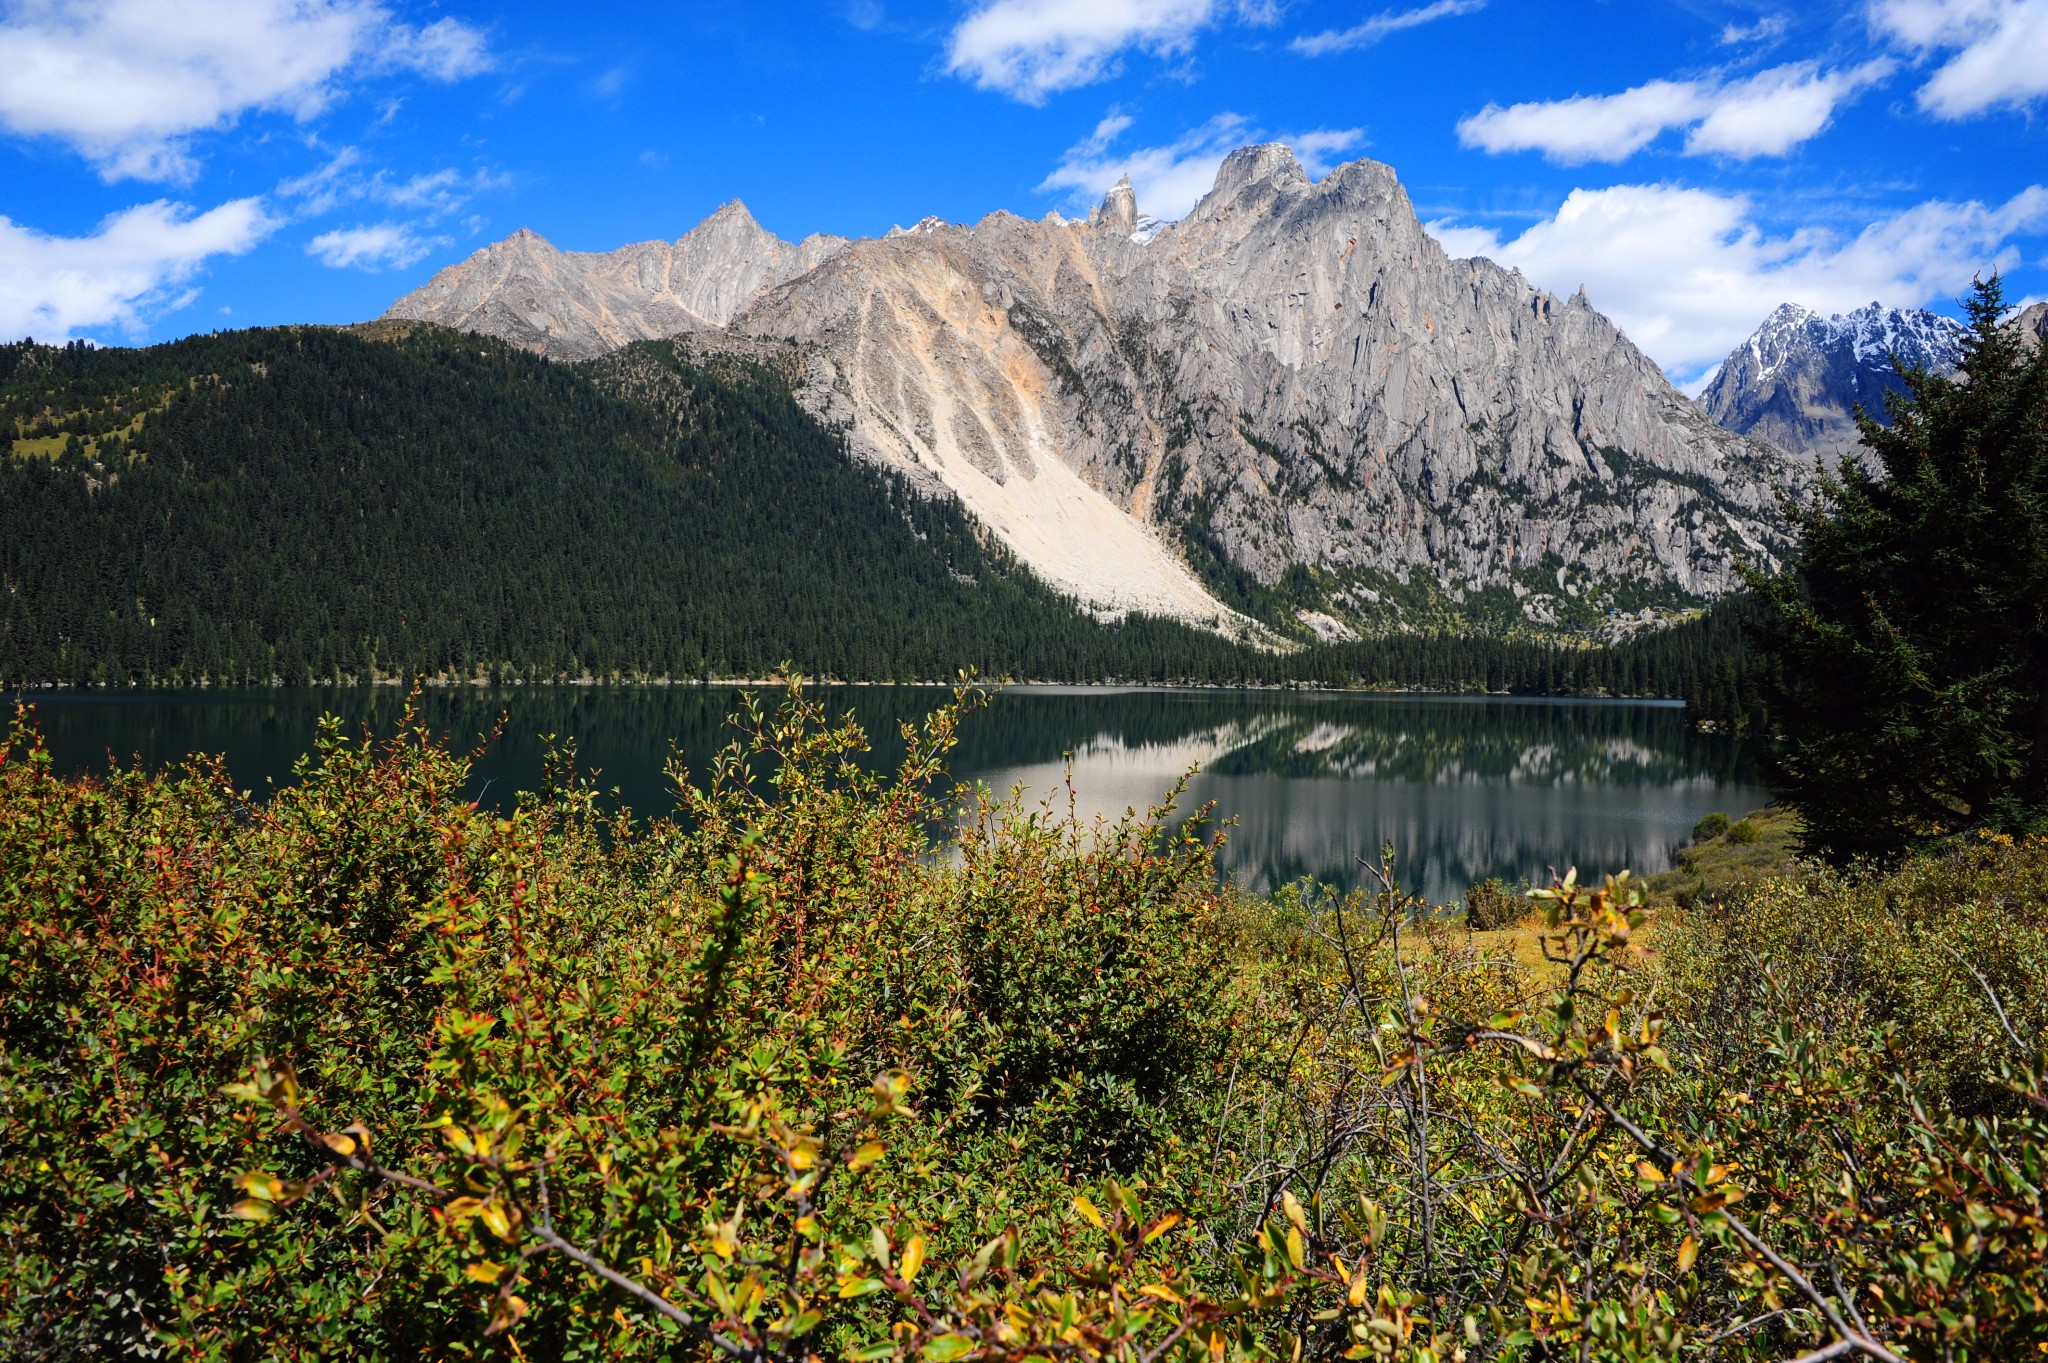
300 504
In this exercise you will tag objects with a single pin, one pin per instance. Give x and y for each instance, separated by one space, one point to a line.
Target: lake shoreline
1467 786
25 691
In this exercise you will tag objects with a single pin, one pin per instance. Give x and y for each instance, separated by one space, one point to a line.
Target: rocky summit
1800 378
2032 324
577 305
1292 398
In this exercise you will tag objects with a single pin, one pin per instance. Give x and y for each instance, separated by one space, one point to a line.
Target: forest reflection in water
1462 788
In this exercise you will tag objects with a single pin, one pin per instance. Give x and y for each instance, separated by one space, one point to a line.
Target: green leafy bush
1743 832
1709 828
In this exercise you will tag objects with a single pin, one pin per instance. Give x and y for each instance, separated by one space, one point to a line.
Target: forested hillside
312 503
400 500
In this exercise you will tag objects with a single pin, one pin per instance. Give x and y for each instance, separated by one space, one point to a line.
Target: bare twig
1851 1339
1992 994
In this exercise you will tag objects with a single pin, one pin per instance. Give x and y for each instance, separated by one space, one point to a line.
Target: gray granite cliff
1294 377
576 305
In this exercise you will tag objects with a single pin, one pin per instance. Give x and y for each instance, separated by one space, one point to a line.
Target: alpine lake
1462 788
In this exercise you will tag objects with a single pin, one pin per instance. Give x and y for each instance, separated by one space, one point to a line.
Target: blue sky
176 167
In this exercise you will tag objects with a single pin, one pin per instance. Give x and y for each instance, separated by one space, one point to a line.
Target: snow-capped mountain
1797 381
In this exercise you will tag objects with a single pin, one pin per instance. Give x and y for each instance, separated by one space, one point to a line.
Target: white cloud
1688 273
1031 48
1774 111
446 49
1767 29
372 247
1587 127
131 268
1462 242
128 82
436 194
1999 47
1370 31
1767 114
1169 180
1318 149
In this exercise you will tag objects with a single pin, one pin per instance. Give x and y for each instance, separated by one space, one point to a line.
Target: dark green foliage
314 504
1743 832
1099 972
1711 827
1912 633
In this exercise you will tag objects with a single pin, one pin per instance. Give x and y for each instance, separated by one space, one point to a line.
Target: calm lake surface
1463 788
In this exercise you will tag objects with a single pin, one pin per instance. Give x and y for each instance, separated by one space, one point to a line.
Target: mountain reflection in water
1463 788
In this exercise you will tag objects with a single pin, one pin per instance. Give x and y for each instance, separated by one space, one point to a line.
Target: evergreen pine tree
1911 633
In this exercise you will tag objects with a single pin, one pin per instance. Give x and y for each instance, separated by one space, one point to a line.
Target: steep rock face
2033 323
1797 381
578 305
927 346
1295 374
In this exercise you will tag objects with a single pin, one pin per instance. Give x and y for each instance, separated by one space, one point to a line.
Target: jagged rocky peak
1270 164
1798 379
1118 211
1303 378
2032 324
727 261
1295 374
577 305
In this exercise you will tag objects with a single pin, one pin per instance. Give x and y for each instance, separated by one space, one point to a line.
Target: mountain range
396 500
1290 410
576 305
1800 378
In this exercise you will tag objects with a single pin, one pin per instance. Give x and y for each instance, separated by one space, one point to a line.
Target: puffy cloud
132 267
1774 111
1767 114
1319 149
1031 48
372 247
1170 179
447 49
1688 273
127 82
1370 31
1586 127
1999 50
428 198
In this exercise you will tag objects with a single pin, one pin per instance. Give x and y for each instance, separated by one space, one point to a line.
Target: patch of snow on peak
1149 227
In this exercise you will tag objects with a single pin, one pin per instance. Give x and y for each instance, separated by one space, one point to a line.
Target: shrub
1743 832
369 1035
1096 967
365 1072
1709 828
1490 906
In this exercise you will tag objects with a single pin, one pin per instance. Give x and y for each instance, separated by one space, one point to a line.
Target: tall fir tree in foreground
1911 634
